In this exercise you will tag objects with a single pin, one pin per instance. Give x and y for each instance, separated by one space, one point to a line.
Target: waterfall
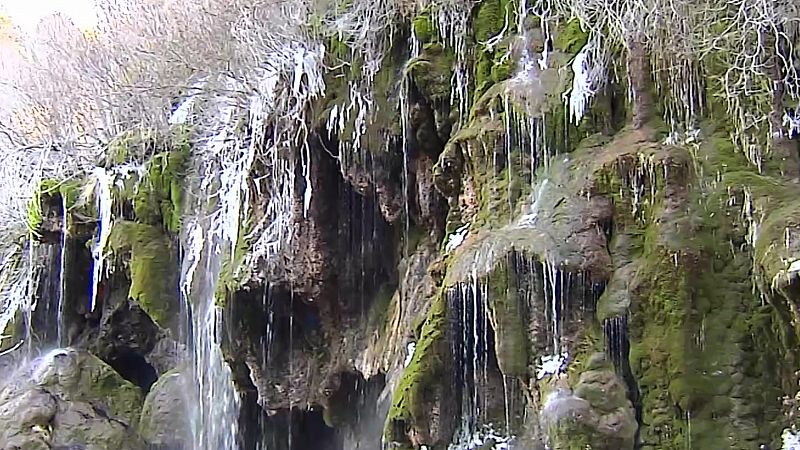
62 270
209 234
214 411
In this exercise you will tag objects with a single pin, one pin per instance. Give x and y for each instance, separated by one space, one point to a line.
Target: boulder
69 399
160 426
595 414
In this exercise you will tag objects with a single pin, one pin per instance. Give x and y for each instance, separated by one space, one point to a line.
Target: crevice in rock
252 419
351 399
45 318
481 390
134 368
617 345
77 317
299 430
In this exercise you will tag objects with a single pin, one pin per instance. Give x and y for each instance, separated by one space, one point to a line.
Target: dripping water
214 406
405 122
62 282
617 346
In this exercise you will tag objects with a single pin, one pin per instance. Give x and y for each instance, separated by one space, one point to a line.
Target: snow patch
410 349
484 438
457 238
551 365
790 439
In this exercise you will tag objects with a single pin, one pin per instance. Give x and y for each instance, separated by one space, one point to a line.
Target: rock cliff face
466 269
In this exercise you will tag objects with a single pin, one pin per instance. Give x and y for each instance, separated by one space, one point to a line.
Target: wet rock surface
487 271
160 425
69 398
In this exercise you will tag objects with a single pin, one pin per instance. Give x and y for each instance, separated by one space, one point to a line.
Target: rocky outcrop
66 399
465 264
595 414
161 423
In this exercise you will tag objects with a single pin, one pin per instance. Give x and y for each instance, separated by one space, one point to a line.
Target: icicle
582 90
476 298
551 274
522 14
508 116
103 184
307 193
588 68
507 410
405 122
791 120
688 430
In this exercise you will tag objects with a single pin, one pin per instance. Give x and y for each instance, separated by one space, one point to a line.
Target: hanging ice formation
588 69
223 160
103 195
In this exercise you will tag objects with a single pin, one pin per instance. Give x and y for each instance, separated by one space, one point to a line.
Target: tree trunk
640 82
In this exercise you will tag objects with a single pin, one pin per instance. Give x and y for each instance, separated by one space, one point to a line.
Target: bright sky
27 13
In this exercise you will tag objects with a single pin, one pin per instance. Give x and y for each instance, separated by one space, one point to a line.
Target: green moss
507 318
33 216
432 73
51 191
159 197
421 385
483 73
337 50
584 353
499 189
491 17
140 144
153 269
492 66
571 38
88 379
502 66
384 119
233 272
695 319
424 28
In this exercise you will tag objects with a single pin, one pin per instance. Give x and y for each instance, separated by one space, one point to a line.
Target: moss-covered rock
46 209
70 398
432 73
596 414
159 196
419 414
507 317
153 269
160 423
